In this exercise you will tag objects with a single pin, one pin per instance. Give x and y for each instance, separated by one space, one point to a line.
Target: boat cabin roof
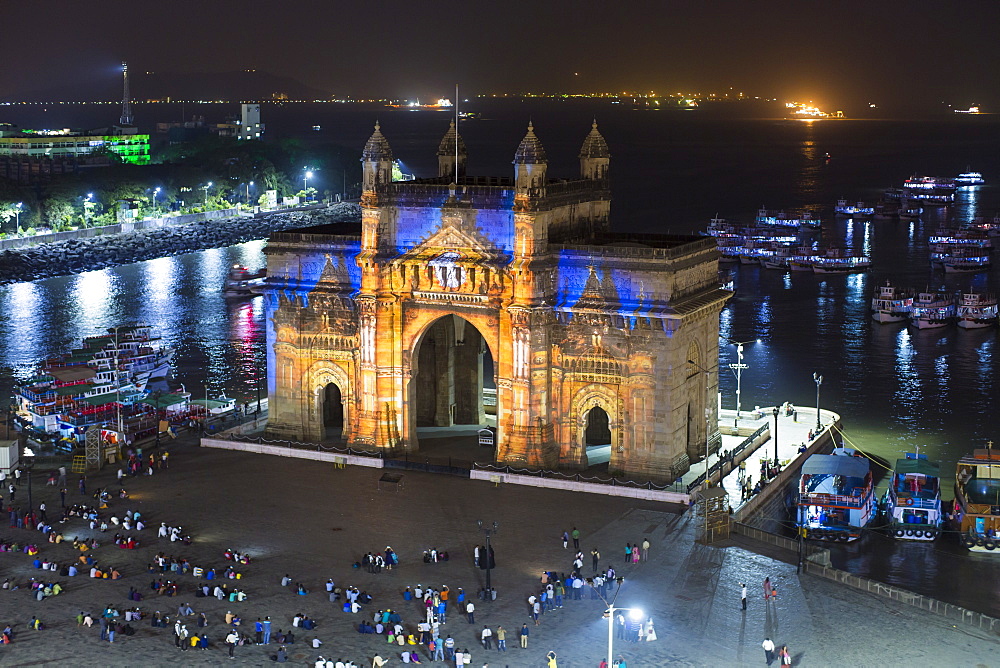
918 466
851 467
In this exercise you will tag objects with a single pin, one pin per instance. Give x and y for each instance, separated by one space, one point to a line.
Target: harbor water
895 387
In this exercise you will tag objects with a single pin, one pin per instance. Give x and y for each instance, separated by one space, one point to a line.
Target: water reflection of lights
786 280
215 264
252 252
159 291
866 244
20 305
908 392
92 299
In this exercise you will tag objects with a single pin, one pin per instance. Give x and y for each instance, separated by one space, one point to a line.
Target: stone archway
331 412
452 371
595 412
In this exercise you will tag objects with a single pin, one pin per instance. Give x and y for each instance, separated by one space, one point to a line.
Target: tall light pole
776 411
489 531
17 217
635 614
155 193
305 181
819 381
87 205
738 370
248 192
205 188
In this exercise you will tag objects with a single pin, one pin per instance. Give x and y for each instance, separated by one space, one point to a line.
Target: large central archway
452 390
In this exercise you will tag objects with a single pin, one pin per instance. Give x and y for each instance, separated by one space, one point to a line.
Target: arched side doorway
333 413
596 426
452 390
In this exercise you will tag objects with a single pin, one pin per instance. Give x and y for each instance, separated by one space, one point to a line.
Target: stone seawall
74 256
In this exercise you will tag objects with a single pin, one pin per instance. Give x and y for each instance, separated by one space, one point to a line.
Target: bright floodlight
251 183
209 184
635 614
309 175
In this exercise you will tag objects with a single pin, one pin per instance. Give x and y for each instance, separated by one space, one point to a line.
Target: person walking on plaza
487 637
231 641
267 630
645 549
470 610
768 646
258 629
183 635
743 595
565 537
785 656
595 558
576 538
523 635
501 639
767 588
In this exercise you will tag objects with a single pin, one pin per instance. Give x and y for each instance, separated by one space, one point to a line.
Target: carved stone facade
458 282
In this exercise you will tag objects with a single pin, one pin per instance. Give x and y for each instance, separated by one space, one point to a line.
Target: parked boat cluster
932 309
78 255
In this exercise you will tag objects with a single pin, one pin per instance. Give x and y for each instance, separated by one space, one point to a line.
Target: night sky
840 53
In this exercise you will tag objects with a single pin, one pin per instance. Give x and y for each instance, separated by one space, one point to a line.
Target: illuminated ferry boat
924 183
970 179
891 304
913 501
976 310
966 264
932 310
804 220
240 281
977 499
853 210
836 496
835 262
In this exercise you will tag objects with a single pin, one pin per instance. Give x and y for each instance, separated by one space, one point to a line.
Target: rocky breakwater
78 255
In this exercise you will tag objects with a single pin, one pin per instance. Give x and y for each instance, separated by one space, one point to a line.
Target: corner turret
447 154
376 161
594 156
530 164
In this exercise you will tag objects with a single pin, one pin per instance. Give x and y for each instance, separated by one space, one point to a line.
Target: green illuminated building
66 143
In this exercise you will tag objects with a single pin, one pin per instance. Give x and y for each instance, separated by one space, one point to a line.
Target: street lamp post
708 418
27 466
819 381
305 181
205 188
248 192
635 613
87 205
738 370
17 217
776 435
489 531
155 193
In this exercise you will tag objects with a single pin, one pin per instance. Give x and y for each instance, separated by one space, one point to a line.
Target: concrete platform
312 521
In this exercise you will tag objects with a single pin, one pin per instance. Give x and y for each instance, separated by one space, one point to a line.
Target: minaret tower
530 164
126 119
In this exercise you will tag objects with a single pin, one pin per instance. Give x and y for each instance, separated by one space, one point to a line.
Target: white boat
970 179
835 262
932 310
891 304
976 310
977 494
240 281
913 500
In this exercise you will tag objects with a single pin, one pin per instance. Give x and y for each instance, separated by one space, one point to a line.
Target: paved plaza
312 521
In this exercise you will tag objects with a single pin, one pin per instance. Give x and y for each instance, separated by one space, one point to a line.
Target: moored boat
836 496
976 310
932 310
853 210
891 304
977 494
930 183
240 281
970 179
800 220
913 500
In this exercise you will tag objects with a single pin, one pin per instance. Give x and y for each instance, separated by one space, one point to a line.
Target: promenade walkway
313 521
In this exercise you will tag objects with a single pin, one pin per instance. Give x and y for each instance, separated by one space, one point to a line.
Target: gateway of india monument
458 286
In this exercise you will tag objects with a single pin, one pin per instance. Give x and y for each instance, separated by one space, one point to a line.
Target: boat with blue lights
932 310
853 209
976 310
970 179
977 498
912 502
891 304
804 220
836 496
924 183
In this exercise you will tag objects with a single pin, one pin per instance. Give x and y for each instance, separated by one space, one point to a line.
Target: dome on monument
530 151
447 145
377 147
594 145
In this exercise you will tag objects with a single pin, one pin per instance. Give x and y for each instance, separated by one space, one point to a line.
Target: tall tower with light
126 118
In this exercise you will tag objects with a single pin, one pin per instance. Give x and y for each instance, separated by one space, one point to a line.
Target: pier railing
732 456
